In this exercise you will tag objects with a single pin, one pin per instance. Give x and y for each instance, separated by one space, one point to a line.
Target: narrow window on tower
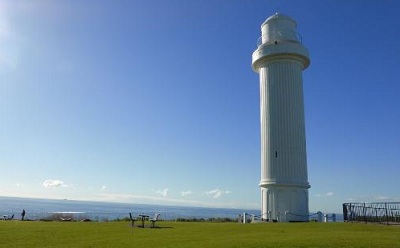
276 154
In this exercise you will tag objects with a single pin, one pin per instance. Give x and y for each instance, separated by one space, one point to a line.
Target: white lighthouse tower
280 59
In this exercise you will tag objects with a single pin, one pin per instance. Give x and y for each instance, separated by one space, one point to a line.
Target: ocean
37 209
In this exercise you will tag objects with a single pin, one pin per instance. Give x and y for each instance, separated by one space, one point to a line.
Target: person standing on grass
23 214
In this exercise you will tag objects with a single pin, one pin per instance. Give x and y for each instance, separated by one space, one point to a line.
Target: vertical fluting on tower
280 59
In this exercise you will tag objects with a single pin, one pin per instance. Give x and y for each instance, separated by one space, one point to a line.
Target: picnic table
143 217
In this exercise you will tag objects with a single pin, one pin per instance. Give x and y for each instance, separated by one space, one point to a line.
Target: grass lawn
196 234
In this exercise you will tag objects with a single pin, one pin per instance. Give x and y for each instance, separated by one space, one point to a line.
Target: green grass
180 234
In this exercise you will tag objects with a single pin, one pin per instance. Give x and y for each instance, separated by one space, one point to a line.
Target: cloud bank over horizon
162 192
50 183
216 193
186 193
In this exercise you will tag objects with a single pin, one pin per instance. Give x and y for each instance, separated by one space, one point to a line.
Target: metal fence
378 212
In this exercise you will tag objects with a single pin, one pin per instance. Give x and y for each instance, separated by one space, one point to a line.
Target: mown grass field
196 234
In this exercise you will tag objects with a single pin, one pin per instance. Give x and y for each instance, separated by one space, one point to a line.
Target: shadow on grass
161 227
156 227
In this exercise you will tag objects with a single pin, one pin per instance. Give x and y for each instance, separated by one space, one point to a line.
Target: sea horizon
39 208
42 208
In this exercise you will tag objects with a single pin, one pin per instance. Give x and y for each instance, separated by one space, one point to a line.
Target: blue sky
156 102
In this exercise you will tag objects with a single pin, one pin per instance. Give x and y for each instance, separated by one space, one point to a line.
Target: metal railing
281 35
379 212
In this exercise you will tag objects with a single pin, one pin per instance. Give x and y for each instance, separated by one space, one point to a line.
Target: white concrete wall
282 123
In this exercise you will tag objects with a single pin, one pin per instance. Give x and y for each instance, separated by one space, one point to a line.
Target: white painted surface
280 60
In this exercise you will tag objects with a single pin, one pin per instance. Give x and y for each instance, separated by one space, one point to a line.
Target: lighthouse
279 60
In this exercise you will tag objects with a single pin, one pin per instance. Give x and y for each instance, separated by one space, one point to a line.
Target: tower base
284 203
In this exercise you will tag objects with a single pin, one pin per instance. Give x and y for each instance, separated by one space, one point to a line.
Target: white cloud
163 192
103 188
132 198
327 194
50 183
383 198
216 193
371 199
186 193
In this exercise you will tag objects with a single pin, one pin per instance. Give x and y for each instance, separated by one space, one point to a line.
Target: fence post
365 213
387 216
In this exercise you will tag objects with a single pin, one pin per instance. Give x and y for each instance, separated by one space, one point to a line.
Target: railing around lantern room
277 36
